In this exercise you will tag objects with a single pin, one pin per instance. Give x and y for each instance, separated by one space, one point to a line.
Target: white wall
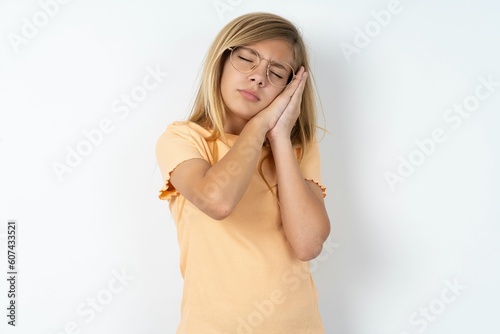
393 252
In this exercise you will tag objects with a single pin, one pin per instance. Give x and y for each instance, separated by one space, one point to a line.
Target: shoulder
184 139
187 128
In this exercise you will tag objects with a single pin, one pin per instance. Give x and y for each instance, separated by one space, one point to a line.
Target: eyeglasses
245 60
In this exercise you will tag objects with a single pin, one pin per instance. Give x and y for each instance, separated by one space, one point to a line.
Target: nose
259 74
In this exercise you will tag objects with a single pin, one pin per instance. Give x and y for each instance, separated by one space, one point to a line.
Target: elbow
309 253
213 204
219 212
219 209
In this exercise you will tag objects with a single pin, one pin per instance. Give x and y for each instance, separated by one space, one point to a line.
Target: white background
396 250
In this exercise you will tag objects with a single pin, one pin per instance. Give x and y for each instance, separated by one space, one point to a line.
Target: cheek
226 75
273 94
225 83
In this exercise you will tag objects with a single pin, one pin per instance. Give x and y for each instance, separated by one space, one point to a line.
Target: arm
303 213
217 189
305 220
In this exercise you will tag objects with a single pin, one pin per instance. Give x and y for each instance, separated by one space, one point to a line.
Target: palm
288 117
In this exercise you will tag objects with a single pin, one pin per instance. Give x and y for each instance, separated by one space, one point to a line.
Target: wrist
257 125
280 141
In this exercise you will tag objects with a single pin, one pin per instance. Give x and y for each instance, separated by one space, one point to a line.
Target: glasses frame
259 59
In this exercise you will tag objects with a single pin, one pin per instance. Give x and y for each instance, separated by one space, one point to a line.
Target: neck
234 125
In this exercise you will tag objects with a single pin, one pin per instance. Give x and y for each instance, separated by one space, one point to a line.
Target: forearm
304 217
227 180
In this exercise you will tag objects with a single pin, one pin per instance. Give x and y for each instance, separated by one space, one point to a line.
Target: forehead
274 49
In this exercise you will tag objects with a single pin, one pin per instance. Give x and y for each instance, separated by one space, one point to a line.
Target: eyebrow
275 64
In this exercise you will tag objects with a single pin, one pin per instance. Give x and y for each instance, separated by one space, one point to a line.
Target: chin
242 112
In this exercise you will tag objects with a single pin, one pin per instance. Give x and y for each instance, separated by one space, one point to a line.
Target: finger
300 71
294 83
297 79
302 82
284 98
297 95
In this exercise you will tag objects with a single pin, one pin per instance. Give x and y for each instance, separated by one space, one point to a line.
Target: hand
289 116
288 101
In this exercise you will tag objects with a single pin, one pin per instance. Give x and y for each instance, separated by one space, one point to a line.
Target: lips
249 95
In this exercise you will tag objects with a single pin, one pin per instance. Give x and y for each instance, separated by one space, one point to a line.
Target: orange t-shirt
241 275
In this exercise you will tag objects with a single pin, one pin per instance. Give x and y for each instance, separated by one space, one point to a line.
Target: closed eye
276 74
245 59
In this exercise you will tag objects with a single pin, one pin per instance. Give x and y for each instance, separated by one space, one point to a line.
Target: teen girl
242 178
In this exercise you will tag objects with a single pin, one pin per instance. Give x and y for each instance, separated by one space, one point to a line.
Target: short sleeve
178 143
310 166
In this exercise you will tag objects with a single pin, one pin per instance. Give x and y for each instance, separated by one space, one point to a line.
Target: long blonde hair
209 109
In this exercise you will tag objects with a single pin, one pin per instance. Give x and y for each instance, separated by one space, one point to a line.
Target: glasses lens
280 74
244 59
